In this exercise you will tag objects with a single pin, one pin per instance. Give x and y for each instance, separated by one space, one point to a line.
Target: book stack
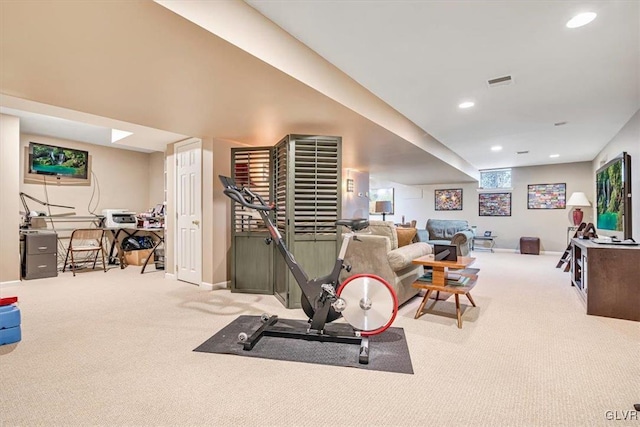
454 278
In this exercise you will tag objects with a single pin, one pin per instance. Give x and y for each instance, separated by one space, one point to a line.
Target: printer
119 218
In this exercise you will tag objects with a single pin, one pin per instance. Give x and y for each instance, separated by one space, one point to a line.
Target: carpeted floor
115 349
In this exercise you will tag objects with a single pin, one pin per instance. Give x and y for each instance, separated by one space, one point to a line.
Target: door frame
176 200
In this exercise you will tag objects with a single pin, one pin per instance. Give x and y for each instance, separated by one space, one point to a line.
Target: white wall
417 202
355 204
628 139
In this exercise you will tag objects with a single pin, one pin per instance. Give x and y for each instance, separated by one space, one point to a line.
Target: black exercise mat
388 351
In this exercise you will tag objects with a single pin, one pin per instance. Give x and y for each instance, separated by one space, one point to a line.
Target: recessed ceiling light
581 19
466 104
496 148
553 156
117 135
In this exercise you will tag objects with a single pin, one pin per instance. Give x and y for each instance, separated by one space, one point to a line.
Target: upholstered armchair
376 252
448 232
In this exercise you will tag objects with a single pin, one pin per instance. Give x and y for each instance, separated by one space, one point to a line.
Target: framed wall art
449 199
547 196
494 204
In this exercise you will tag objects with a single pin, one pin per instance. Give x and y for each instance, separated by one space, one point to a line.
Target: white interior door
189 211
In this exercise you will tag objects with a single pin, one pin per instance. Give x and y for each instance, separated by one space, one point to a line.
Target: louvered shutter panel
316 183
251 260
252 169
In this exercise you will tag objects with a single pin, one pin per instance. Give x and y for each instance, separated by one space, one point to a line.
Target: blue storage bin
9 324
9 316
10 335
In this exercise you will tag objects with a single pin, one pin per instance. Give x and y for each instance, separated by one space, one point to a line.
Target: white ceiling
425 57
421 58
56 122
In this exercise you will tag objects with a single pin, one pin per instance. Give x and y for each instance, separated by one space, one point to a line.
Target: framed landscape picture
494 204
449 199
547 196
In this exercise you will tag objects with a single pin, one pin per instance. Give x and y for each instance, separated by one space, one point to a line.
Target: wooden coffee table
439 281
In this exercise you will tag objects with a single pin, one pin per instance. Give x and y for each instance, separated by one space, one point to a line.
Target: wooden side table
439 281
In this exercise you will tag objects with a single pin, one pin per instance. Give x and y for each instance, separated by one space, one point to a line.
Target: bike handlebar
238 196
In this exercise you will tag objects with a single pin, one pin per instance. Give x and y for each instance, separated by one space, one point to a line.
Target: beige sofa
376 252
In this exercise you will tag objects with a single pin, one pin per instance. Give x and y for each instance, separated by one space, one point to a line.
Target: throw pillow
405 235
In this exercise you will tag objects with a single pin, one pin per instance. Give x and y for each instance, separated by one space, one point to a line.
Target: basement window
495 179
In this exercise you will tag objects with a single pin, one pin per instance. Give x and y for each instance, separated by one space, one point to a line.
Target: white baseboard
9 283
170 276
517 251
206 286
220 285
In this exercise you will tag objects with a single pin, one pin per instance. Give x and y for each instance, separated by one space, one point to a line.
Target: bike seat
354 224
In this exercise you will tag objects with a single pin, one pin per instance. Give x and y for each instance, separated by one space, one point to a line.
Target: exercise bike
367 302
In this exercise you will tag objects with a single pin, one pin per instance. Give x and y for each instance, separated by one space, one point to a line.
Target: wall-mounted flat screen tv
613 193
57 161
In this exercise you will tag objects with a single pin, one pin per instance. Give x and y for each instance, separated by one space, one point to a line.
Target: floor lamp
383 208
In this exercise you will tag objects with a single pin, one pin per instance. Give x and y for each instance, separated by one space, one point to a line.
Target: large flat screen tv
57 161
613 193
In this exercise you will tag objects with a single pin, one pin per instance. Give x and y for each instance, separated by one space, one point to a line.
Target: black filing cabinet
39 255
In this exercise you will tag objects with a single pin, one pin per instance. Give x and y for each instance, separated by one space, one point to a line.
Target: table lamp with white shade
383 207
577 200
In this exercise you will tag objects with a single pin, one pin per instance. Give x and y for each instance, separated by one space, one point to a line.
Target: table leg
468 295
422 304
153 253
458 311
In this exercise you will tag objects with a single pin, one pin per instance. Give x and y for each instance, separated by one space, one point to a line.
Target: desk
158 233
439 281
490 239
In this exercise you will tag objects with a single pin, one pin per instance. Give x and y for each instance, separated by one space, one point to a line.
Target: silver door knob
196 222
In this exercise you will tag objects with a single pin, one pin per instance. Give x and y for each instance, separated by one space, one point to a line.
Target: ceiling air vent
522 152
500 81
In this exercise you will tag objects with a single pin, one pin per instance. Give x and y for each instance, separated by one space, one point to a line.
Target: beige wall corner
156 179
208 217
9 192
170 214
221 211
120 179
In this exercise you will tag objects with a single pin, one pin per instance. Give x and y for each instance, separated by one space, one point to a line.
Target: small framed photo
448 199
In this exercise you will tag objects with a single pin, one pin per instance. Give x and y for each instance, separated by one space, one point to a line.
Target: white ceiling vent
500 81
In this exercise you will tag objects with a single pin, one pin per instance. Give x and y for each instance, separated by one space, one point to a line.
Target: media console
607 278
